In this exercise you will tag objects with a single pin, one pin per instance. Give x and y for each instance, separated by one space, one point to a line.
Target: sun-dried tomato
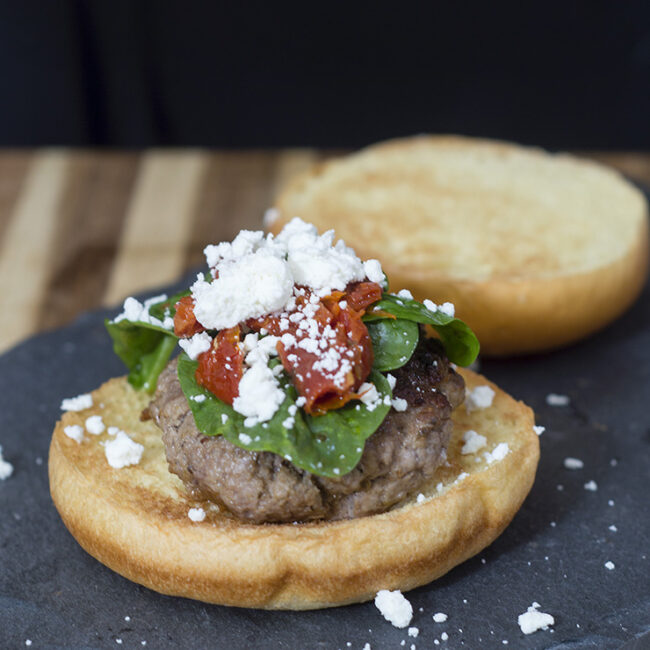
221 367
185 323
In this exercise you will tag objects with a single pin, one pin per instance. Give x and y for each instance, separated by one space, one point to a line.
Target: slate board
56 595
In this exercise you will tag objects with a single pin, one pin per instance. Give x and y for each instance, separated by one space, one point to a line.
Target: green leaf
326 445
461 344
145 350
393 342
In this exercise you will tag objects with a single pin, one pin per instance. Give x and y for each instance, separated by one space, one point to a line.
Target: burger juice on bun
309 447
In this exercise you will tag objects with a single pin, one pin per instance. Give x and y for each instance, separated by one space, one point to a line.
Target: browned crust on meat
135 520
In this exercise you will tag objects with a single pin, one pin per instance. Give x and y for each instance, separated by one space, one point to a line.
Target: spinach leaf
145 350
393 342
327 445
161 309
461 344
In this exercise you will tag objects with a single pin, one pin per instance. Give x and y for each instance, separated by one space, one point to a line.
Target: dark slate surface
54 594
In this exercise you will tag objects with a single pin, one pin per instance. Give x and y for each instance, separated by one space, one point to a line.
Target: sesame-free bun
535 250
135 520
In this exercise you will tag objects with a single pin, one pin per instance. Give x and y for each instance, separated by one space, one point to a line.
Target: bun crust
535 250
135 520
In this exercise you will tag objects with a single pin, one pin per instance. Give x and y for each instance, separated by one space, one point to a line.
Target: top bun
536 250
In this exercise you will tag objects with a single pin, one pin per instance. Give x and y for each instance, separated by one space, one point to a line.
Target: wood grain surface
83 229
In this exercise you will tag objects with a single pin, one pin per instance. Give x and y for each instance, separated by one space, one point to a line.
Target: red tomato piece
221 367
185 323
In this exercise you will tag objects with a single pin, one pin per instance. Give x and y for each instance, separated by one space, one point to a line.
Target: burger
316 441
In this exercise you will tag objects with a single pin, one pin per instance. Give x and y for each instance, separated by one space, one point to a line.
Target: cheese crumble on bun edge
131 513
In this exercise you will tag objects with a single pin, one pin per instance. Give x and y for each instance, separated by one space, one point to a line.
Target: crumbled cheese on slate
592 486
610 502
404 293
610 566
122 451
553 399
394 607
444 636
391 380
533 620
6 468
367 647
196 514
79 403
447 308
95 425
573 463
439 617
613 528
413 631
196 344
245 438
399 404
74 431
473 442
539 430
480 397
498 453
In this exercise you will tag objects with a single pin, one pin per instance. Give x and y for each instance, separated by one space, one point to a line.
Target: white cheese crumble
539 430
391 380
196 344
553 399
198 399
95 425
613 528
498 453
413 631
259 396
6 468
78 403
420 498
473 442
592 486
394 607
533 620
404 293
480 397
610 566
573 463
122 451
399 404
444 636
245 438
430 305
75 432
373 271
447 308
439 617
196 514
135 311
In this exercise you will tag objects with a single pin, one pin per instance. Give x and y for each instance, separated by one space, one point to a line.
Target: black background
261 74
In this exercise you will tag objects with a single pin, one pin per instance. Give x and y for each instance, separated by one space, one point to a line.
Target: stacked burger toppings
305 390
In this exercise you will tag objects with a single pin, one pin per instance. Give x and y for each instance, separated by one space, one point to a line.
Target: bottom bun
135 519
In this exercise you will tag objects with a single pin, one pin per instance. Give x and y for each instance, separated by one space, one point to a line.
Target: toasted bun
135 520
535 250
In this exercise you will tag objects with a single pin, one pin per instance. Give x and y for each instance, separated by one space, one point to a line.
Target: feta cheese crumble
413 631
473 442
399 404
196 514
480 397
394 607
553 399
573 463
592 486
122 451
75 432
196 344
610 566
6 468
439 617
78 403
95 425
539 430
498 453
532 620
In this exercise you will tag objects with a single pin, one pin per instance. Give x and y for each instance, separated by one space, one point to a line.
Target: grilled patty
261 487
